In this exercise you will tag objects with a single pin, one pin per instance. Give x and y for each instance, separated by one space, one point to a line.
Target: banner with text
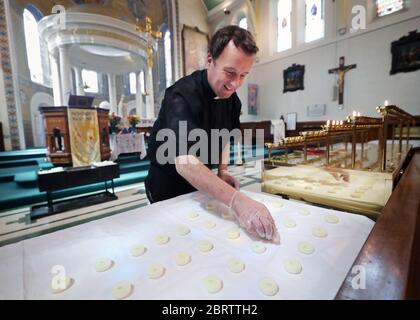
84 136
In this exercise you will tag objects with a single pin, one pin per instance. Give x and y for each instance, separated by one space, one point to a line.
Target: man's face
228 72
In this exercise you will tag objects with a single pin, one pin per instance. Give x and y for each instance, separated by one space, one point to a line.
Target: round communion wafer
258 247
236 265
289 223
213 283
182 258
122 290
233 233
319 232
183 230
103 264
292 266
306 247
205 246
268 286
162 239
330 218
60 284
155 271
137 250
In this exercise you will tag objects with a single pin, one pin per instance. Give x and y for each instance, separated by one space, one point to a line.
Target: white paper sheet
26 267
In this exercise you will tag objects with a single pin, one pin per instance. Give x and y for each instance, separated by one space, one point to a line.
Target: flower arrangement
114 122
133 119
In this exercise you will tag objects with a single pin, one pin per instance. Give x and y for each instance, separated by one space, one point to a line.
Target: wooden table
391 254
74 177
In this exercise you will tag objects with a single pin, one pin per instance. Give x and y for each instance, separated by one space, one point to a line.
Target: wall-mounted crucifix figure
341 71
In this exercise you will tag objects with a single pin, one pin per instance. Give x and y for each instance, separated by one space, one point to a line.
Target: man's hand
338 173
254 217
229 179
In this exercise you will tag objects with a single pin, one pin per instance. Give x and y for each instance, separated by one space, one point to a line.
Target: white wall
366 87
193 14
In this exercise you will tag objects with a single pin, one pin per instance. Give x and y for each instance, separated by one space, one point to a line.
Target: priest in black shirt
206 100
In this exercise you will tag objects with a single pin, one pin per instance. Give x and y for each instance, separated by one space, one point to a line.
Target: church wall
366 87
27 89
193 14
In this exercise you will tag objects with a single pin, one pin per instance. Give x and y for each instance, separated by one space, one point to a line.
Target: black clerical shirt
190 99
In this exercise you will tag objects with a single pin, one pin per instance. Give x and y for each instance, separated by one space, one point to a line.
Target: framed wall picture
406 53
293 78
195 47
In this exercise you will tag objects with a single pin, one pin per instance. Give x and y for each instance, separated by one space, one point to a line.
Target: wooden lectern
57 133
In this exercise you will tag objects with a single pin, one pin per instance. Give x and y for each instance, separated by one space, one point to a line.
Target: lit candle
328 123
333 122
358 114
341 122
354 113
386 103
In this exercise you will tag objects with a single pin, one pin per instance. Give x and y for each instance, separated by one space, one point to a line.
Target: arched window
90 80
315 20
133 83
142 82
168 58
243 23
284 30
33 48
385 7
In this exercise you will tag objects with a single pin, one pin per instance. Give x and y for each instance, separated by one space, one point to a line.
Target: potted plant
133 119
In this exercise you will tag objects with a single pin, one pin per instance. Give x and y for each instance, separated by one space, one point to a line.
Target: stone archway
131 107
39 99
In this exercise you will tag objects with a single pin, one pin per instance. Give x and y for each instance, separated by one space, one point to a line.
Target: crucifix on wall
341 71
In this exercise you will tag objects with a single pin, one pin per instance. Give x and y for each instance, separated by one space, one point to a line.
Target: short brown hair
241 38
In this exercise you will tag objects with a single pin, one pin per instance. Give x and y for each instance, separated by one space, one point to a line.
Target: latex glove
254 217
230 180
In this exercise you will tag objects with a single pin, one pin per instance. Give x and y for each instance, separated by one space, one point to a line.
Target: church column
80 91
150 103
112 93
65 73
139 96
55 77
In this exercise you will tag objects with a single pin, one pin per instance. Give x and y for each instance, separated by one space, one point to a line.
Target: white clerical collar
216 98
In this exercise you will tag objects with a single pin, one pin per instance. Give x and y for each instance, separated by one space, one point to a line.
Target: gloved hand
229 179
254 217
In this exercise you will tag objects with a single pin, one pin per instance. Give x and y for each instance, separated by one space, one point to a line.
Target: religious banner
252 99
195 48
84 136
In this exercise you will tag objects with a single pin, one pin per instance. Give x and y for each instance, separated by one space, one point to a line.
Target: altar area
127 143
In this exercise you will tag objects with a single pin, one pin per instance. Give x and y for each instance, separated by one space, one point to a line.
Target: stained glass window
385 7
315 21
284 31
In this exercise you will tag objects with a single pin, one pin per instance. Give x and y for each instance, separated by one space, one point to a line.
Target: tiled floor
16 225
